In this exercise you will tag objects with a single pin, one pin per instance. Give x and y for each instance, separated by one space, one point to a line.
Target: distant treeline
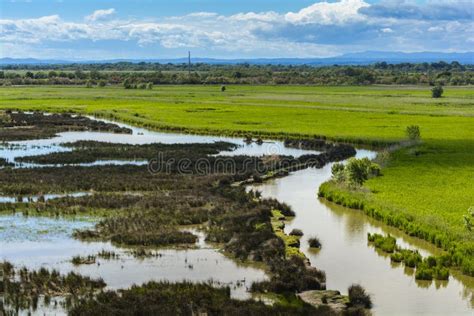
139 73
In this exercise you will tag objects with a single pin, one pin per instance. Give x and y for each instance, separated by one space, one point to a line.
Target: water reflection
36 198
346 257
139 136
37 242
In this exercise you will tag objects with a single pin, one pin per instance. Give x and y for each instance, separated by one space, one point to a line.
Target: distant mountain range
361 58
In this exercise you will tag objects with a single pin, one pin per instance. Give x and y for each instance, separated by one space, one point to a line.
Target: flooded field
15 149
345 256
36 242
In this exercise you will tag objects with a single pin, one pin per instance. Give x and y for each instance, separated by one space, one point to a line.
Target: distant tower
189 63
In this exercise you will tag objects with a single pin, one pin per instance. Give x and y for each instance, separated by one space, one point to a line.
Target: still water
345 256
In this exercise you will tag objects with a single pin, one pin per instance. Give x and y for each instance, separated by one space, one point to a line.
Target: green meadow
431 184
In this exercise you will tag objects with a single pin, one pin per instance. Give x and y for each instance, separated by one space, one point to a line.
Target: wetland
99 213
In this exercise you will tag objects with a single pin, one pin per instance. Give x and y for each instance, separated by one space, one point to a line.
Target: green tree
359 170
127 84
437 91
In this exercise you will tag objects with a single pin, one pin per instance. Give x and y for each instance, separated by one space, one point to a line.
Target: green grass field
433 183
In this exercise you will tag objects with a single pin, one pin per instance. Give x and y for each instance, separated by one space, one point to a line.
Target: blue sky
86 29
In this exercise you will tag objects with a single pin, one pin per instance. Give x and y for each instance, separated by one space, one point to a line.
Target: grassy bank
431 185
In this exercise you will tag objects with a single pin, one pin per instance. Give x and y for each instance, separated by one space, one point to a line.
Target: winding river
345 256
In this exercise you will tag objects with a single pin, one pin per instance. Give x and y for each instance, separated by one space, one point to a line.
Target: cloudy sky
86 29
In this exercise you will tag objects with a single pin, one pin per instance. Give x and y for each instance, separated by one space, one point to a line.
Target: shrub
149 86
424 273
223 88
441 273
127 84
314 242
387 244
102 83
359 170
437 91
337 167
413 132
396 257
356 171
412 259
374 170
338 173
430 261
89 84
296 232
358 297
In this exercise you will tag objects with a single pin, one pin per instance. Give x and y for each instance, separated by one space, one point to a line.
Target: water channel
345 256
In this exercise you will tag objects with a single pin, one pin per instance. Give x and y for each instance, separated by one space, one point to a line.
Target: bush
102 83
296 232
396 257
149 86
387 244
337 167
441 273
314 242
412 258
424 273
358 170
89 84
375 170
358 297
437 91
338 173
223 88
413 132
430 261
126 84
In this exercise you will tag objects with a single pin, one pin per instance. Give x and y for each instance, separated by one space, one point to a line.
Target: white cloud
252 16
322 29
435 29
328 13
202 14
100 15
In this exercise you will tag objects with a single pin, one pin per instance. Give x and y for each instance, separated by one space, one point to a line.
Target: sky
143 29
